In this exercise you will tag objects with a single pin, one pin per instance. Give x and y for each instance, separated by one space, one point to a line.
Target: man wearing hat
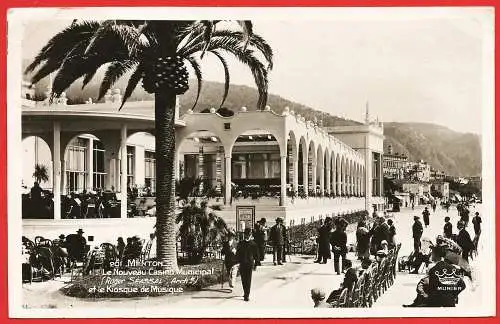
246 255
76 245
277 237
426 215
318 297
338 241
229 251
417 230
259 238
448 228
464 240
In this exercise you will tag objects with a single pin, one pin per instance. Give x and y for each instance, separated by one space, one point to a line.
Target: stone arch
292 160
311 165
36 150
303 169
320 169
200 155
327 171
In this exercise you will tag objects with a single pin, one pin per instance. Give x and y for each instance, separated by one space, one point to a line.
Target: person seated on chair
350 278
365 265
422 293
318 297
445 280
95 258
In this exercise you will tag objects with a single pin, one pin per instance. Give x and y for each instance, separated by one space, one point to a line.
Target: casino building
270 163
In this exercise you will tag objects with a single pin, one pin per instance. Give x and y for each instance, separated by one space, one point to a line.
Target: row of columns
349 184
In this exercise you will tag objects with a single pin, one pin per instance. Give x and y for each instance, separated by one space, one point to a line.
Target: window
256 166
98 165
130 165
150 170
76 165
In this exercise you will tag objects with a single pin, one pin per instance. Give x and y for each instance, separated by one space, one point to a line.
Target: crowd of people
44 259
97 203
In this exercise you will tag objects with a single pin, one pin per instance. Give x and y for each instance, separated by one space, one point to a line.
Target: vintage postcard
269 163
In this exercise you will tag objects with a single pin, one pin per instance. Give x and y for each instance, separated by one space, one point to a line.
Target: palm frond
114 72
104 28
255 41
207 35
132 83
247 27
197 71
61 43
247 57
88 77
226 75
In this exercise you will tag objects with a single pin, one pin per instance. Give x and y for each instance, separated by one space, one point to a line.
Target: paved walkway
273 287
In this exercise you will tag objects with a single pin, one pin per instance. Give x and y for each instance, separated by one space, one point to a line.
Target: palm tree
156 53
41 174
200 227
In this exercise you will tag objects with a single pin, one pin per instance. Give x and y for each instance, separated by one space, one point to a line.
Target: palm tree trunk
165 180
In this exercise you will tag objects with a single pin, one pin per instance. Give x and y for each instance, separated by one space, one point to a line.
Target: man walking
324 241
259 238
417 230
476 221
246 255
464 240
278 241
229 250
448 228
339 245
426 214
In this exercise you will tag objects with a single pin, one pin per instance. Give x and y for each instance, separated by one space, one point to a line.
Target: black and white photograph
270 163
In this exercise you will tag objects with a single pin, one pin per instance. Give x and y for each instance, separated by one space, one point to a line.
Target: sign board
245 217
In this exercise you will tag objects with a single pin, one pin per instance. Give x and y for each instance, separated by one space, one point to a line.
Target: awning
399 197
425 198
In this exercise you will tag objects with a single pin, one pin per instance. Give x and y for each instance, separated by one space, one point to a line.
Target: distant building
437 175
420 192
418 171
476 181
440 189
395 164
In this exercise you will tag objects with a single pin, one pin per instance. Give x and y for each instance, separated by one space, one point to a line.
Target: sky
413 66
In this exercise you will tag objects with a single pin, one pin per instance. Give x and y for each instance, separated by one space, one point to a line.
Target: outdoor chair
366 293
355 299
370 296
342 300
76 270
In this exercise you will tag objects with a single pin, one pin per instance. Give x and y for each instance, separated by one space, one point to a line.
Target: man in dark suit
448 228
277 237
464 240
381 233
324 241
417 230
259 238
285 240
339 246
246 255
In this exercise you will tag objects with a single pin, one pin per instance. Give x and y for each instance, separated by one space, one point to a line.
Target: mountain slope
455 153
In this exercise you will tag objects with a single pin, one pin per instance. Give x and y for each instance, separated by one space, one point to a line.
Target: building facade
266 163
395 164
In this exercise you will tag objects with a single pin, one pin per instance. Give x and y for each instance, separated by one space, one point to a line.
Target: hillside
455 153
